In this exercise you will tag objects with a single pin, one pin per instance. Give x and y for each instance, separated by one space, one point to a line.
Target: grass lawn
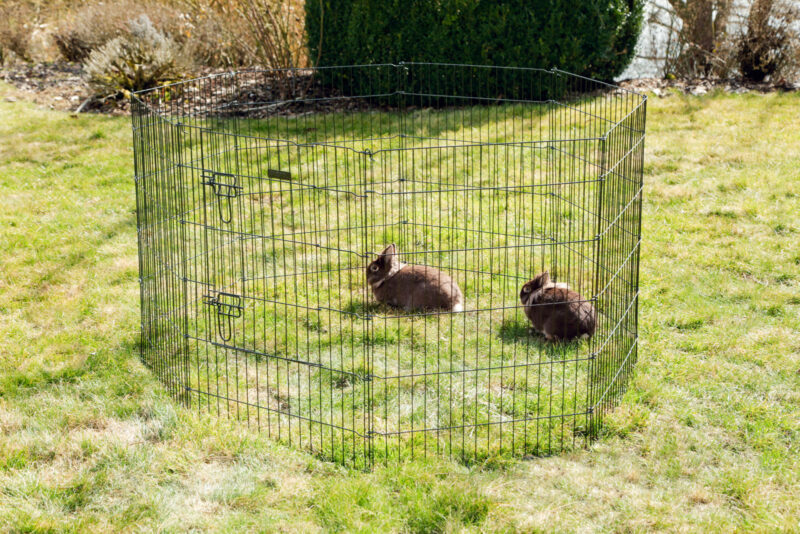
706 439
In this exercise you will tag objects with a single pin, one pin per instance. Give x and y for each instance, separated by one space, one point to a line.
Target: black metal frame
263 195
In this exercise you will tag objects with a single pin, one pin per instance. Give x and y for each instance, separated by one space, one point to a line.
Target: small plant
143 58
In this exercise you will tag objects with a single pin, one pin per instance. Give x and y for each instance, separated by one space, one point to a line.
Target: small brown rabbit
412 287
556 311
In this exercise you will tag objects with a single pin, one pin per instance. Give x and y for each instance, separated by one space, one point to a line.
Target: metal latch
226 187
229 307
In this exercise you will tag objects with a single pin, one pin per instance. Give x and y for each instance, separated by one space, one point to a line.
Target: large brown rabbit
556 311
412 287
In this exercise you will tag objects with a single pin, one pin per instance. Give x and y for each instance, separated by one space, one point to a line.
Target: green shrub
594 39
142 58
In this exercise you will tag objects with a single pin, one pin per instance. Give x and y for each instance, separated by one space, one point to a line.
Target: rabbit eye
526 289
374 268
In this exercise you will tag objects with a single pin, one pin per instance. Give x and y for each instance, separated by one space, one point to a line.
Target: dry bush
214 40
95 24
19 20
770 45
86 30
697 37
726 38
276 32
704 34
266 33
142 58
215 33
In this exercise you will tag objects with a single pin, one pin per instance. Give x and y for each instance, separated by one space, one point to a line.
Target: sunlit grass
707 438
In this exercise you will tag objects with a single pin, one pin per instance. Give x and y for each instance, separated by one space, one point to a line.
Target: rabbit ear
541 280
390 250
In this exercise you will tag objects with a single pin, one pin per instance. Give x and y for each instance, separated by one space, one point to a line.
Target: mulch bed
661 87
62 86
55 85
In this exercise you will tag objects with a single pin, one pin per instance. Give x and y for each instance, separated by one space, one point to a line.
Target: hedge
591 38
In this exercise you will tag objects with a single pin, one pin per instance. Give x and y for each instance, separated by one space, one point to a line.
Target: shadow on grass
362 308
514 331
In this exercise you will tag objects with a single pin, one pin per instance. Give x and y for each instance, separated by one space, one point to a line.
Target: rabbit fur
412 287
557 311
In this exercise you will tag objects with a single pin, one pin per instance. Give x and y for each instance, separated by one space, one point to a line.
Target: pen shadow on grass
516 332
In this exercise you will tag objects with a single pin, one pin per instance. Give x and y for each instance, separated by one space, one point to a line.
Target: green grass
706 439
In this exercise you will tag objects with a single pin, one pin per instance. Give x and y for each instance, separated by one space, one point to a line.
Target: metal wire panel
263 195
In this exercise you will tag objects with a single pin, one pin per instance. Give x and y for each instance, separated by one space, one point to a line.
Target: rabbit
556 311
412 287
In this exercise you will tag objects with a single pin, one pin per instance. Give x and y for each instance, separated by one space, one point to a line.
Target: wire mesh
262 196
